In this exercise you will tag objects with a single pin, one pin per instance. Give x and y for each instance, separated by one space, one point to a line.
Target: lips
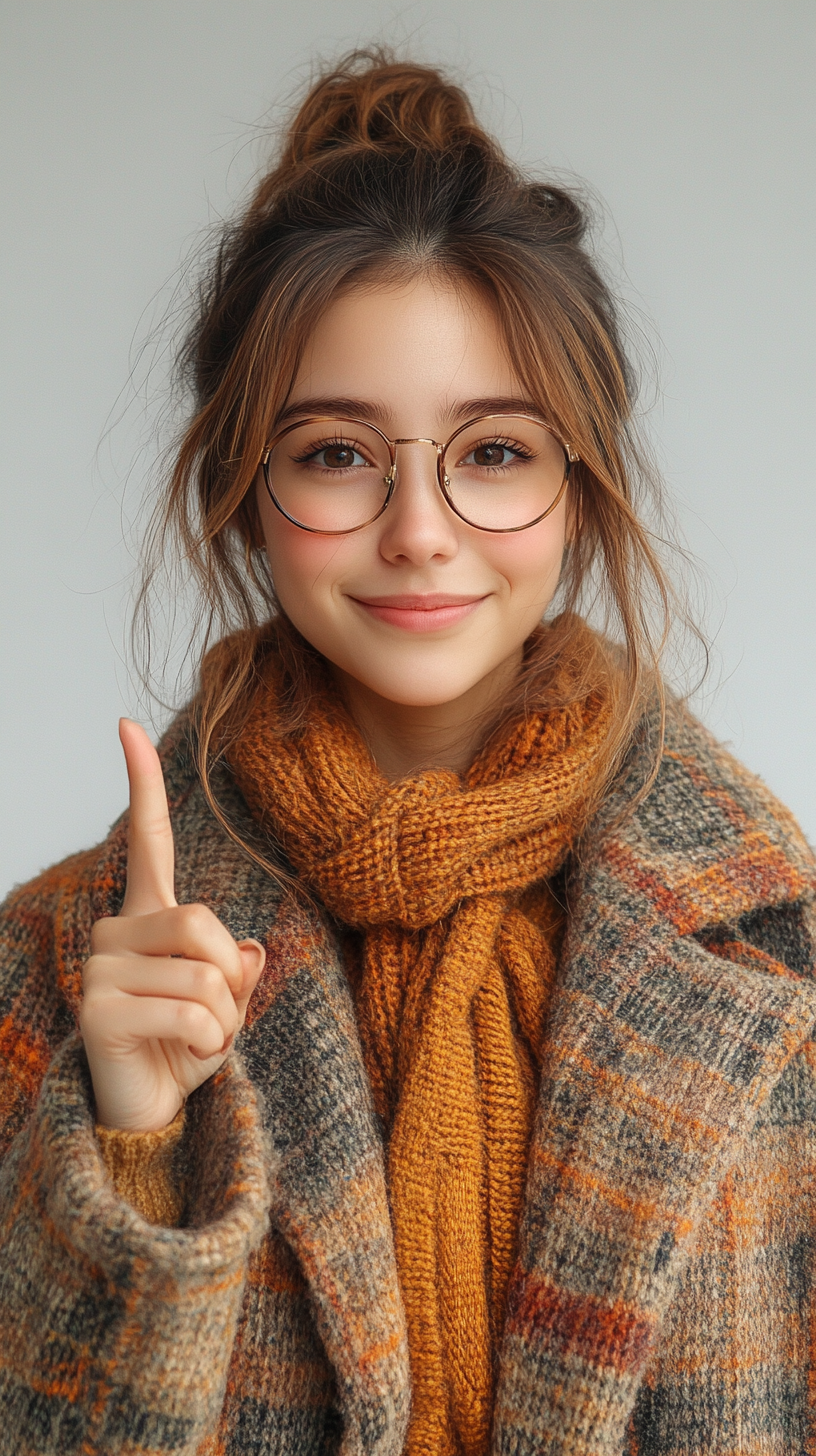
420 612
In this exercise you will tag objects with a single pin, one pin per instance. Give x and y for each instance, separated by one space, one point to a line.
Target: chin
417 689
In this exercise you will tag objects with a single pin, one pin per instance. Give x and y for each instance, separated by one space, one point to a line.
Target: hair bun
563 212
372 101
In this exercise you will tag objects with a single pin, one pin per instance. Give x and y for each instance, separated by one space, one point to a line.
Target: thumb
253 960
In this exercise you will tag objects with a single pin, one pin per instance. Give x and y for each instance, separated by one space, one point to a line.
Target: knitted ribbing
142 1167
446 878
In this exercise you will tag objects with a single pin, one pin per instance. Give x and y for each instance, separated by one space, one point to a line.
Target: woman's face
418 606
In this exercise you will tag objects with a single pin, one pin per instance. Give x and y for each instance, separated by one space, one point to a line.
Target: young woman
424 1065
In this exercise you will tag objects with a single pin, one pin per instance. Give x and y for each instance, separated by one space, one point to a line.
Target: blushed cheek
530 561
301 562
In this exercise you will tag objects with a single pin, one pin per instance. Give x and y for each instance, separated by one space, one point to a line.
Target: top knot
372 102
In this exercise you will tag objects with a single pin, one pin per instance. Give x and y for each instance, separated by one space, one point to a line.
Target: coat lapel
659 1056
301 1049
328 1178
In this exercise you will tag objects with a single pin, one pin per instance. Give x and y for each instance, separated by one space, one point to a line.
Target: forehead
425 345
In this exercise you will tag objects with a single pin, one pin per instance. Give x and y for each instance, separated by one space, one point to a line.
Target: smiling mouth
420 612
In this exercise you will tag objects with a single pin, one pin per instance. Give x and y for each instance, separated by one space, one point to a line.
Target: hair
384 173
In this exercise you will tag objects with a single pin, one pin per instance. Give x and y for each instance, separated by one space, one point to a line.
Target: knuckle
196 920
208 979
102 932
156 825
191 1017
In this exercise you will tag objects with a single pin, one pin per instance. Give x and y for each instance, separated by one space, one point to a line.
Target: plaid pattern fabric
664 1297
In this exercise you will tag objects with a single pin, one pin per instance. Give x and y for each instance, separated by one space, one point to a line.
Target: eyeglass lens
502 472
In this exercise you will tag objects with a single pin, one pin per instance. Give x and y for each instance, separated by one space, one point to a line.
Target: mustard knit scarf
445 879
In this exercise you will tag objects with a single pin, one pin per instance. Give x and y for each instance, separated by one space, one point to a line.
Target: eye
492 454
335 455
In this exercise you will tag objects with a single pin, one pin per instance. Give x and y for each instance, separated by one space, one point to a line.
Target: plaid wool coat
665 1296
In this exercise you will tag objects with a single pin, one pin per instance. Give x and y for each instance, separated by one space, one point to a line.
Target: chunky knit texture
664 1299
145 1169
456 971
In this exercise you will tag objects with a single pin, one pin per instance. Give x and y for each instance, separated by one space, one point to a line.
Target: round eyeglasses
497 472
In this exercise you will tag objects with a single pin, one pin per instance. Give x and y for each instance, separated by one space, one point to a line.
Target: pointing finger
150 877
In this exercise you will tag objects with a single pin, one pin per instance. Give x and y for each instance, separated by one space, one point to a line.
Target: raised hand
166 987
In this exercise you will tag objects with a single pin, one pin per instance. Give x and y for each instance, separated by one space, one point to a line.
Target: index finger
150 871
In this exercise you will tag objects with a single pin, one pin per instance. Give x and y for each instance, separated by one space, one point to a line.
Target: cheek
303 563
530 561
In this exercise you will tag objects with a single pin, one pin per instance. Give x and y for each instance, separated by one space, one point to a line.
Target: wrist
139 1123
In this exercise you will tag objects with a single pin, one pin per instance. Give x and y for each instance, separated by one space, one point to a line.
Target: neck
407 738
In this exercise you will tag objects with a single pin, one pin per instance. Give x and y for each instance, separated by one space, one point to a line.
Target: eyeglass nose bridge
438 445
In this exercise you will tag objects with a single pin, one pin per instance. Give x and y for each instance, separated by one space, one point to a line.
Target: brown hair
384 171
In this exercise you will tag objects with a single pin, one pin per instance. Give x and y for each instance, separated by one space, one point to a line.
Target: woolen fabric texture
663 1299
456 969
146 1168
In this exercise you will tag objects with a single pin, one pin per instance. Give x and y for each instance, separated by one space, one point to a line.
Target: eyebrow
340 406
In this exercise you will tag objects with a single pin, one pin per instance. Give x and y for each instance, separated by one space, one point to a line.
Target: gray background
131 125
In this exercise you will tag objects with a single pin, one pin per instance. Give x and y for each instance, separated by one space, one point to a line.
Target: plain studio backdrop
131 126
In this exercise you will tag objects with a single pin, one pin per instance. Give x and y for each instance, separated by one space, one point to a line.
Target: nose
418 524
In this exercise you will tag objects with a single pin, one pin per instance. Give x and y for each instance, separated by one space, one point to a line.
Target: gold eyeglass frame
443 480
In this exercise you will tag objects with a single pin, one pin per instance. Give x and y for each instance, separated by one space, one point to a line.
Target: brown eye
490 454
339 457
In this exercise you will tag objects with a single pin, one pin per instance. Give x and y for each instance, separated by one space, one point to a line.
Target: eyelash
514 445
315 449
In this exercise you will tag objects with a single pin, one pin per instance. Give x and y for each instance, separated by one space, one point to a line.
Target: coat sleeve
115 1334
